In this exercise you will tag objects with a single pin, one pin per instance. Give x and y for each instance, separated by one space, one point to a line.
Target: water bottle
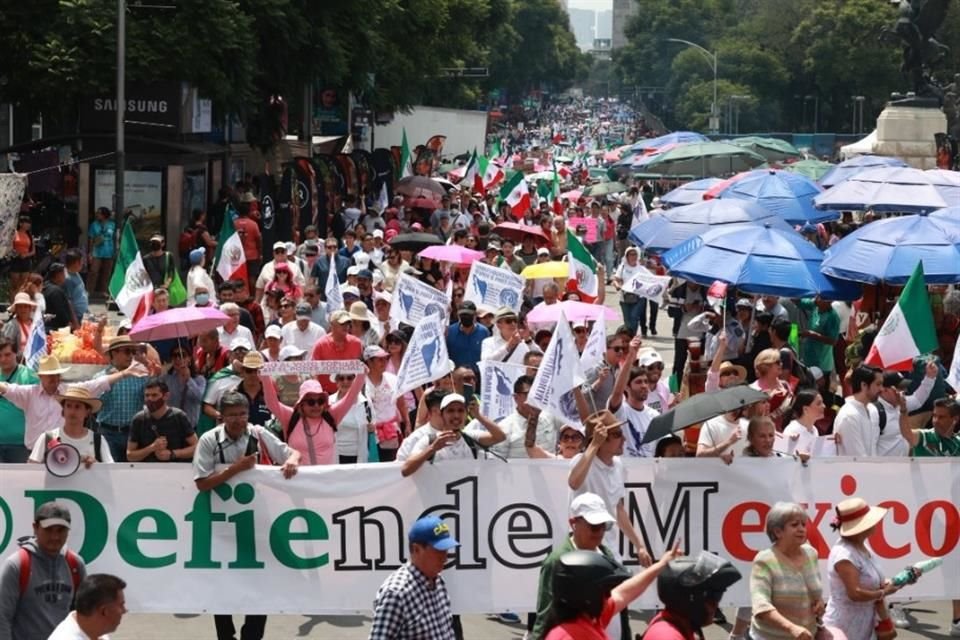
912 574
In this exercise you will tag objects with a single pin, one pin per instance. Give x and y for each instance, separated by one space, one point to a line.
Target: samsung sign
154 109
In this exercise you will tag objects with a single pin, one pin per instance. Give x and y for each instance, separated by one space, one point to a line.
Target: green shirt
12 422
814 353
932 445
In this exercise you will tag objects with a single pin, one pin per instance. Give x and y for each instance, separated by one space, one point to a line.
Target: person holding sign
627 402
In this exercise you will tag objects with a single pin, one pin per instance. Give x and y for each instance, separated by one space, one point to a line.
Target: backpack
49 441
26 560
188 240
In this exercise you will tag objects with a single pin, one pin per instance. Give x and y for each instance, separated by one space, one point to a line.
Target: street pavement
930 619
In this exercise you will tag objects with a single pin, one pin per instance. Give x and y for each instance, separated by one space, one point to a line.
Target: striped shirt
123 401
778 584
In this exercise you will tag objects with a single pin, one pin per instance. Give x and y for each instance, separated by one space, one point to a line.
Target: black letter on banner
679 514
520 526
390 545
466 532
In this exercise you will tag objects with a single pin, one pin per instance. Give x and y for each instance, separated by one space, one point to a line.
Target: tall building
604 24
582 25
622 11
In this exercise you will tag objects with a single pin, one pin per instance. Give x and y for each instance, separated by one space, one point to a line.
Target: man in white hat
78 405
659 398
303 332
40 402
124 399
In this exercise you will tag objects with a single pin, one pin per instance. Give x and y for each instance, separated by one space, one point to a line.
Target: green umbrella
599 173
702 159
811 168
604 189
773 149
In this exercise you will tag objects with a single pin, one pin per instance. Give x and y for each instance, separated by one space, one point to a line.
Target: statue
916 26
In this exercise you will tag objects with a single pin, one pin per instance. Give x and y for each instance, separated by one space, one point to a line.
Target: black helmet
583 579
687 583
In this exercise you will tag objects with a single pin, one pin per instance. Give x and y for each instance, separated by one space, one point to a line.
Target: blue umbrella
853 166
789 195
670 228
760 260
677 137
897 189
888 250
689 193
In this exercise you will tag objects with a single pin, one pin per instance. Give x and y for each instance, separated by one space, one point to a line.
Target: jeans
117 441
387 455
609 258
252 629
98 275
14 453
632 315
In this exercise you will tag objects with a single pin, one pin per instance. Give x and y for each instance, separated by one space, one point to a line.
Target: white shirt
306 340
83 445
382 400
659 397
515 428
198 277
352 430
419 440
42 411
638 420
716 430
858 426
269 269
68 629
806 440
227 339
496 348
607 481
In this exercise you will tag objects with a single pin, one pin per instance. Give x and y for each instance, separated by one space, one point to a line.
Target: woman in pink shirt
310 425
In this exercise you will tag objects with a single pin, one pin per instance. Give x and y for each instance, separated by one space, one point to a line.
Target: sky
596 5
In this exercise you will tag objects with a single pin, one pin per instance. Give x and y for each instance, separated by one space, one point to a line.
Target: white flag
496 388
494 286
647 285
36 346
414 300
953 378
559 371
426 358
384 201
334 296
640 212
596 345
136 295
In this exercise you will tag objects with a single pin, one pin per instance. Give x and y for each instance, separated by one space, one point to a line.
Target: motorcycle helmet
583 579
686 584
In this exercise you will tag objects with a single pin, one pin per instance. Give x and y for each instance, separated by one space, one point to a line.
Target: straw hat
740 371
253 360
359 311
854 516
80 394
122 341
50 366
23 298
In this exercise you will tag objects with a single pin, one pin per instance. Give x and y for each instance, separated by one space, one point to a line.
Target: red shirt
667 627
249 236
327 349
584 628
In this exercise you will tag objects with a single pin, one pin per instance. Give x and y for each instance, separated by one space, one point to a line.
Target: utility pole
118 204
711 57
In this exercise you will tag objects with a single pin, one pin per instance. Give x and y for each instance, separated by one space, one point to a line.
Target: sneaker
899 617
955 628
508 617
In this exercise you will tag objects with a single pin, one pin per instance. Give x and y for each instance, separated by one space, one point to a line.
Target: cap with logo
304 309
467 308
432 531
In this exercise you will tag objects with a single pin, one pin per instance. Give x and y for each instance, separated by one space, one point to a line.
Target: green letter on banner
281 536
94 518
129 535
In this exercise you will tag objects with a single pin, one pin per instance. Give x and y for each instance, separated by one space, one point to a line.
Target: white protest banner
953 378
426 358
313 367
322 542
332 290
496 388
559 372
816 445
494 287
414 300
647 285
596 345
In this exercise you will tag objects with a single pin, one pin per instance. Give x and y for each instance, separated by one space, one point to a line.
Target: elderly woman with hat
506 343
857 585
78 404
198 278
310 425
17 328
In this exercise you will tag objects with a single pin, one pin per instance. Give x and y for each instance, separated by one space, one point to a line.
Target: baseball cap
303 309
241 343
745 302
378 233
340 316
280 244
365 273
432 531
349 290
450 398
273 331
591 508
649 357
290 351
893 379
374 351
353 271
382 295
543 251
52 514
467 308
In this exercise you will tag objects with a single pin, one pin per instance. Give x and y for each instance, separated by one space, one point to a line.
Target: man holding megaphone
78 406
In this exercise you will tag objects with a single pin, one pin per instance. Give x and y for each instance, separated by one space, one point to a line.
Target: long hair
558 614
296 416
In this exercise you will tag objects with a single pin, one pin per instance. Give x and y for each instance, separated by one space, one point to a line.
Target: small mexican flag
406 158
492 173
130 283
908 331
583 268
473 176
231 261
517 194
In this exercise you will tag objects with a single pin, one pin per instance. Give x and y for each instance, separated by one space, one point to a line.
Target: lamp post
859 100
712 59
735 101
118 185
816 109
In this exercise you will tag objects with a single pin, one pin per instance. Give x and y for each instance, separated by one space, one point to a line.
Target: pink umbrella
573 310
573 195
515 232
451 253
178 323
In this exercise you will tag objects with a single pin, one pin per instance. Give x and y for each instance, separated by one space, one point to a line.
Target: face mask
153 405
202 298
466 321
156 246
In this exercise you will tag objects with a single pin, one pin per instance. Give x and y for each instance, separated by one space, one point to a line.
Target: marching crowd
206 401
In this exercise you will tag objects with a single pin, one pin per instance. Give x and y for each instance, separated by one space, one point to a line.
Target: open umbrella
421 203
689 193
517 232
604 189
674 138
757 259
184 322
701 159
853 166
550 269
673 226
573 310
888 250
451 253
789 195
811 168
700 408
415 242
419 187
899 189
773 149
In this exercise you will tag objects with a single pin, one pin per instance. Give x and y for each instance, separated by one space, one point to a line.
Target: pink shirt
585 629
324 440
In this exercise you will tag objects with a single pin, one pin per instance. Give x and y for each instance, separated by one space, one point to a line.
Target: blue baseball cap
433 531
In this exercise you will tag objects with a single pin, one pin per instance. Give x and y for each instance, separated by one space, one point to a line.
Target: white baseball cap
273 331
647 357
450 398
354 270
591 508
290 351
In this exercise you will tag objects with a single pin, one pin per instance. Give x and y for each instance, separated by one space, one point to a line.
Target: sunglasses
249 370
346 377
127 351
618 349
286 305
315 402
508 320
571 437
331 246
580 330
279 250
603 526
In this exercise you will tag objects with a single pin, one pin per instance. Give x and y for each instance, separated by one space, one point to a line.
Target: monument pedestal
907 132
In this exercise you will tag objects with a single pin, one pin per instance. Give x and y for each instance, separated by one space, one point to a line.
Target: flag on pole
495 152
231 259
130 284
406 158
555 203
596 345
492 173
640 212
908 331
332 290
36 346
384 200
516 193
583 268
559 372
953 378
473 174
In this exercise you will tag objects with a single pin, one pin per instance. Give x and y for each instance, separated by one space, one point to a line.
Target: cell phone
468 392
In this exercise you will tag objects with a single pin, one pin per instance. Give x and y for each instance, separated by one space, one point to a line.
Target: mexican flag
554 198
516 193
231 260
473 175
130 283
492 173
583 268
495 151
908 331
406 158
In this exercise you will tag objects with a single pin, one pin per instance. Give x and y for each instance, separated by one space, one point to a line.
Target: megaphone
62 460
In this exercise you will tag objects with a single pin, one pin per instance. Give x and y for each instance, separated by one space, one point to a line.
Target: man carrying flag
586 274
492 170
231 259
130 284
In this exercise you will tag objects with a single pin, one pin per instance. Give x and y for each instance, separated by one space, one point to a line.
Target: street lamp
712 59
858 106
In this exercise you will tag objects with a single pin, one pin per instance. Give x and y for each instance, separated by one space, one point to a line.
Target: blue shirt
77 294
122 401
464 348
105 232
